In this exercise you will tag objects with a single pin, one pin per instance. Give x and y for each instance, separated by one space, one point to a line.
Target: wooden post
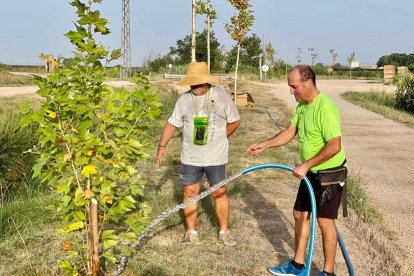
260 66
93 238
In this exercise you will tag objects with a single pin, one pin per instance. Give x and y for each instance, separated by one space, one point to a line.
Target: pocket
328 193
333 176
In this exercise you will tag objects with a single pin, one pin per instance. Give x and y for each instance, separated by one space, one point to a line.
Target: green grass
28 244
381 103
15 165
7 79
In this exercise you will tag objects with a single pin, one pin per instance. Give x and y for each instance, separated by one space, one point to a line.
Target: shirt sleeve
232 113
176 118
295 119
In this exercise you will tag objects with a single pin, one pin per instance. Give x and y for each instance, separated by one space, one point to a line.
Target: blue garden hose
308 264
313 207
345 254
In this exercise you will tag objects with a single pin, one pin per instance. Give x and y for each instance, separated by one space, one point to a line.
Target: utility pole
125 72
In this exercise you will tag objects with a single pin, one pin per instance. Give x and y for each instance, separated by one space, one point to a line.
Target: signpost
265 68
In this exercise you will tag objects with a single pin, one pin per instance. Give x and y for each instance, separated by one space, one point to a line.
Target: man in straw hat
208 117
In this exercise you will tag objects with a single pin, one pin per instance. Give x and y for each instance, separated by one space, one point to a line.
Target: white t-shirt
221 110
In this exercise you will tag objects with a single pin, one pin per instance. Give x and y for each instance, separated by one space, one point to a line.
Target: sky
370 28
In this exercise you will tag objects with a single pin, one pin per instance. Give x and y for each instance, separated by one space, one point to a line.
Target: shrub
405 93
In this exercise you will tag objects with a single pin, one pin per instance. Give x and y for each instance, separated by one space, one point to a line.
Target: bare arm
331 148
167 134
231 127
279 139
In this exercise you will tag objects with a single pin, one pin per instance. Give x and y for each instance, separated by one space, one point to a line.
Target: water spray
165 214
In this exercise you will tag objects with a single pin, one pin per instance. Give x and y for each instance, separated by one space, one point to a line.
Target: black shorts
328 198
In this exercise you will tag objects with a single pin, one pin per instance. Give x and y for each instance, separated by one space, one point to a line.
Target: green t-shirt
317 123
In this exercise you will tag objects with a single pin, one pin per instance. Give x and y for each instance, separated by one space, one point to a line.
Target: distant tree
396 59
181 52
299 55
350 60
156 62
238 29
269 53
249 48
314 55
334 56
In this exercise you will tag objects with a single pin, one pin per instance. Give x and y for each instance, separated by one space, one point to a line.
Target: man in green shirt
318 126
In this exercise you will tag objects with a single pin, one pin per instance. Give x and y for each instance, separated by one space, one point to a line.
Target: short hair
306 73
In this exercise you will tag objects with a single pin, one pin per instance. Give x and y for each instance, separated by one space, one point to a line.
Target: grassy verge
7 79
381 103
28 244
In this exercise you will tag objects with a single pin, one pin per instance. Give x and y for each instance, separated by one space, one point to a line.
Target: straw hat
197 73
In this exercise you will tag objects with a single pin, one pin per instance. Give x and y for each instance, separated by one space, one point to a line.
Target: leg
330 241
302 232
191 212
222 207
215 174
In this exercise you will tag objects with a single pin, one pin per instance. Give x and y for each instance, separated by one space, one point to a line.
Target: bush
405 93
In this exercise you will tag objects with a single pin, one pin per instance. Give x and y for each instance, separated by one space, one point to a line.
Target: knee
191 191
326 223
220 193
300 216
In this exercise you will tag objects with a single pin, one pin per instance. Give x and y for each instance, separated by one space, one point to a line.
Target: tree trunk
93 239
208 34
235 73
193 33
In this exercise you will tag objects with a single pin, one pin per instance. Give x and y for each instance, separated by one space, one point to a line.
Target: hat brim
198 79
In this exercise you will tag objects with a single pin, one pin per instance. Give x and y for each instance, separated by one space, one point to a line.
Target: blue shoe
287 269
322 273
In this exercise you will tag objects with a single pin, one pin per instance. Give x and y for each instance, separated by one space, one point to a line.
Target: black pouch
333 176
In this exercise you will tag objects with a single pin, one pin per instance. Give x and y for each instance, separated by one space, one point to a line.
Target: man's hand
301 170
161 153
256 149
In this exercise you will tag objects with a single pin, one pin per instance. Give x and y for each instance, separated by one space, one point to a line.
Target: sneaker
322 273
227 239
190 237
287 269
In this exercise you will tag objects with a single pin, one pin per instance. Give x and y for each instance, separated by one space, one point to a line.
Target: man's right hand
161 153
256 149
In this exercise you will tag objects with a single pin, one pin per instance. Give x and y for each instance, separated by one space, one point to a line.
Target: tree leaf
76 226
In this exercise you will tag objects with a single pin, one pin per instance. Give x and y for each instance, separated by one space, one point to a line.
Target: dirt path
31 89
378 149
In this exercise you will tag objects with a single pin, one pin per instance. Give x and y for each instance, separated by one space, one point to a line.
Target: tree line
397 59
